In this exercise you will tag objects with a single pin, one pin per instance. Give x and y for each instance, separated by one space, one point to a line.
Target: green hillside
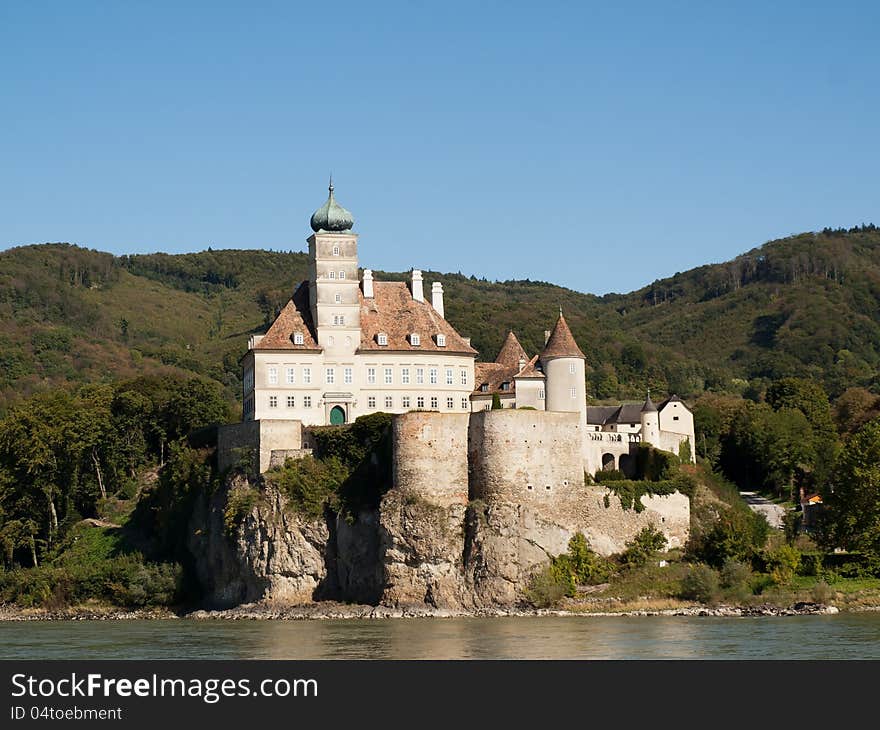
808 305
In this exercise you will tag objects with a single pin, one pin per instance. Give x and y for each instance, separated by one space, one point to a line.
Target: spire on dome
331 216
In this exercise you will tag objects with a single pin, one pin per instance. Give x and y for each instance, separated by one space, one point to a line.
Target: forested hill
804 305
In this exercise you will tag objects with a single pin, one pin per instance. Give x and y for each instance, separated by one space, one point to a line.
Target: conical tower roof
511 352
649 405
561 342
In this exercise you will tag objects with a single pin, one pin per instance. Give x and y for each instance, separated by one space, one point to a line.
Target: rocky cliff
249 544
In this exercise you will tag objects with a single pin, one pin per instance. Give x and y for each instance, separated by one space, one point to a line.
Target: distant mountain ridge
804 305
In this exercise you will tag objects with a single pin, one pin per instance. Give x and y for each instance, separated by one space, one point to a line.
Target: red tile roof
392 311
296 316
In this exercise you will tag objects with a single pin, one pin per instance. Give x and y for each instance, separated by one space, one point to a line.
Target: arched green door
337 416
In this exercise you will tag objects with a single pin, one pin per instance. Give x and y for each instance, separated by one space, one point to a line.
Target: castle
345 346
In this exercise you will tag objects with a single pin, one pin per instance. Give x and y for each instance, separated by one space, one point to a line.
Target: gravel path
774 513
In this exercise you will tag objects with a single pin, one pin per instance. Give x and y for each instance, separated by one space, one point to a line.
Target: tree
852 504
496 402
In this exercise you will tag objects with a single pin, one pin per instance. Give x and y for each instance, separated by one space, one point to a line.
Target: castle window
273 401
307 376
415 340
332 274
571 370
347 376
530 487
450 403
307 401
291 376
565 482
291 401
341 274
547 487
329 376
420 402
405 401
389 401
331 340
371 376
371 402
675 418
432 376
572 393
404 376
389 377
382 338
337 298
336 250
541 394
464 376
449 376
297 338
339 319
434 402
420 376
441 340
487 407
464 404
273 376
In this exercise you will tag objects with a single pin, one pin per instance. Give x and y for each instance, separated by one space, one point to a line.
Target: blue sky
595 145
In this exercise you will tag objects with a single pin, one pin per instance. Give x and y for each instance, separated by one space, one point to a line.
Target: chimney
522 363
417 293
467 341
437 297
368 283
546 336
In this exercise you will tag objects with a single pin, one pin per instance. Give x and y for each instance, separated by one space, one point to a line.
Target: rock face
479 503
269 553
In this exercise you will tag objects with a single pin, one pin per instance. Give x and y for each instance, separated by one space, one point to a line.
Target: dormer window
505 385
297 338
441 340
484 388
382 338
336 250
415 340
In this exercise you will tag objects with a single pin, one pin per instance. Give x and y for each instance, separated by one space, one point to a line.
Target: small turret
650 420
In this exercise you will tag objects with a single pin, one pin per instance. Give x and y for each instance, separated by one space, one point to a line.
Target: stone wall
526 457
264 437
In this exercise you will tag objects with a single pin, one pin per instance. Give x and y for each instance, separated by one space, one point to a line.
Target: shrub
644 546
580 565
782 563
823 593
735 574
700 584
546 588
310 484
609 475
739 534
239 502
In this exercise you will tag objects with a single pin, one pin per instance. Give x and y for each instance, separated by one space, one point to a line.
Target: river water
843 636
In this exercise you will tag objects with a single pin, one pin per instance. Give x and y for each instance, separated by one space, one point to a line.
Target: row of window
407 375
332 275
291 401
406 402
388 401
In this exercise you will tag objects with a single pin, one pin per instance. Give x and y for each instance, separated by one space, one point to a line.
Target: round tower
565 374
650 419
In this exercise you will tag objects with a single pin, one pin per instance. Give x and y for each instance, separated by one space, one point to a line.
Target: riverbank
331 611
